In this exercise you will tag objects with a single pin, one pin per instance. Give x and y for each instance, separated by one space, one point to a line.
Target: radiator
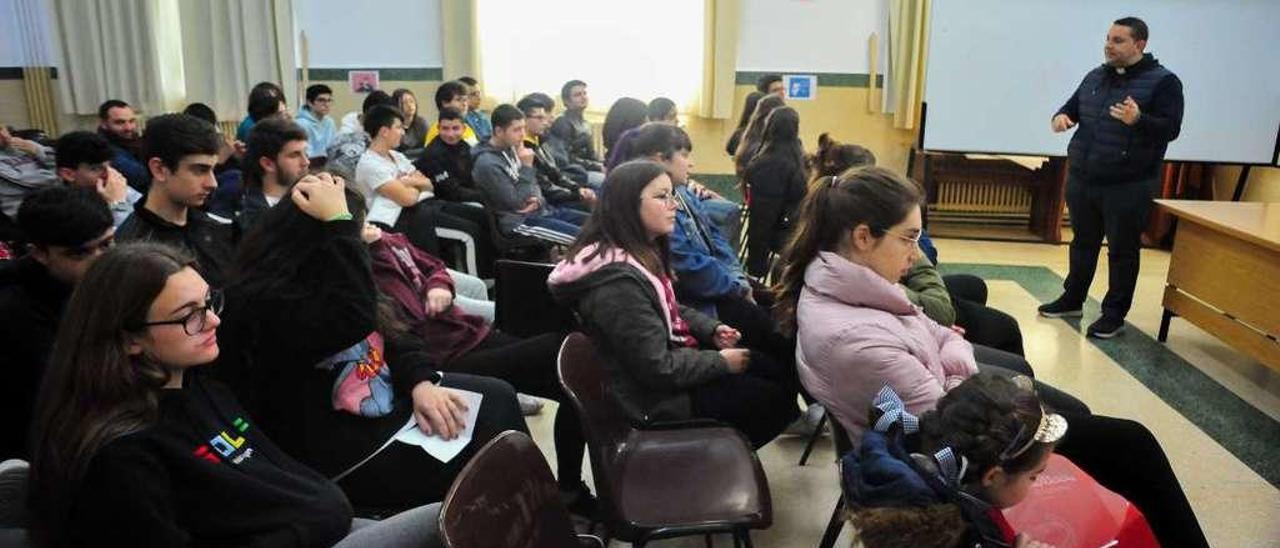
979 198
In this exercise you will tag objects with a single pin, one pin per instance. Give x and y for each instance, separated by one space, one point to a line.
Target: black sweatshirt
277 328
205 475
449 168
31 304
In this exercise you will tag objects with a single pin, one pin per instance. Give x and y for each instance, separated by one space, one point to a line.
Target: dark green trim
829 79
1233 423
420 74
15 73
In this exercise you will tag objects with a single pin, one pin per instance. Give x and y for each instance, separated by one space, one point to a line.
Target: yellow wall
344 100
841 111
13 104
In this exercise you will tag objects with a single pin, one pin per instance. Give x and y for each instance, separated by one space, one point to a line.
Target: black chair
515 246
680 479
506 496
843 446
524 304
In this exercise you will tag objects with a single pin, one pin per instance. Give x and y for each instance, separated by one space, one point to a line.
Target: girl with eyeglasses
665 361
856 331
134 445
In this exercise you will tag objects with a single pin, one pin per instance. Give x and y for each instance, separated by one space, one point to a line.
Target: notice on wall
801 87
362 81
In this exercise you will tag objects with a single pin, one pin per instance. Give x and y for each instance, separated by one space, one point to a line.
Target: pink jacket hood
857 332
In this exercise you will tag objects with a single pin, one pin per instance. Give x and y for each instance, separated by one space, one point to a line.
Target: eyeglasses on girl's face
195 321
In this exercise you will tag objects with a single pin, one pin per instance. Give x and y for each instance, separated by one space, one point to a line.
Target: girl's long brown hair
754 134
874 196
615 223
93 391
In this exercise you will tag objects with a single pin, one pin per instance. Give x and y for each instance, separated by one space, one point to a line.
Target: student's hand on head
738 359
239 147
1062 122
30 147
727 337
439 299
525 154
114 188
438 411
322 200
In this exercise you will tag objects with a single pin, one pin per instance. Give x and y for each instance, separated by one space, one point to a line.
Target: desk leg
1165 317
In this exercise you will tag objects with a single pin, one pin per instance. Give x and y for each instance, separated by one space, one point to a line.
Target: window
620 48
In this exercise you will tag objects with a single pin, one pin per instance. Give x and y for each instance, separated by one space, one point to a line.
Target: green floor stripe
1233 423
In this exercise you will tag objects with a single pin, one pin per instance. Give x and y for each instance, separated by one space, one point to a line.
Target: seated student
447 161
119 448
346 149
326 366
665 361
225 201
314 118
25 167
857 332
624 114
748 107
181 152
276 157
258 95
452 95
556 187
503 169
659 111
775 177
118 123
573 131
67 228
266 107
908 488
400 197
84 160
476 119
415 127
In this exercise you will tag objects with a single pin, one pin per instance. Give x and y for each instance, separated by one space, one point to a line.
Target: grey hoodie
506 184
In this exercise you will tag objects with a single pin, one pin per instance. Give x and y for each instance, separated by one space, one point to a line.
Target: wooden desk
1224 275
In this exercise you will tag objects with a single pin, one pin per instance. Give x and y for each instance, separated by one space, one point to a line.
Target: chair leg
817 433
710 543
834 526
746 539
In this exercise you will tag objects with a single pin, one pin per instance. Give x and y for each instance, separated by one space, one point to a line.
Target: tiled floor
1224 454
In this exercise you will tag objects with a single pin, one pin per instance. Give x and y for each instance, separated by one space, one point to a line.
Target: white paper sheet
436 446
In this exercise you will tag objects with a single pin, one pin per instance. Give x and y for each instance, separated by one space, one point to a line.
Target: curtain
908 50
459 35
110 50
719 58
36 79
230 45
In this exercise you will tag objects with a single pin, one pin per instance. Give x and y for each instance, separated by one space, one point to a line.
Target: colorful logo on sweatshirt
362 381
225 445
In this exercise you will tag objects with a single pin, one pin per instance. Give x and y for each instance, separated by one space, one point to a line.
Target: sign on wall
801 87
362 81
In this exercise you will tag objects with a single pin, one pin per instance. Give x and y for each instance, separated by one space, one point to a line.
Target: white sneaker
529 405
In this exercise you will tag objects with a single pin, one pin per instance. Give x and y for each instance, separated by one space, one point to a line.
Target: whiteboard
998 70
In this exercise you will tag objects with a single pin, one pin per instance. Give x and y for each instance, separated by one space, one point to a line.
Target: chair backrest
524 304
14 476
583 377
506 496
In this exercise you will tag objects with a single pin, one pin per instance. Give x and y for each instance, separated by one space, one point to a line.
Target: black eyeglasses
194 322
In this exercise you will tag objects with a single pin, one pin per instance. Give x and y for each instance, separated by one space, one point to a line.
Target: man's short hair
448 90
81 147
468 81
170 137
450 113
264 106
659 109
535 100
661 139
314 91
63 216
266 140
379 117
504 115
1137 27
106 106
567 89
763 83
375 98
202 111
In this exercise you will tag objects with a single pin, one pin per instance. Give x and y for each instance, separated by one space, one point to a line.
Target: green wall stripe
416 74
830 79
15 73
1233 423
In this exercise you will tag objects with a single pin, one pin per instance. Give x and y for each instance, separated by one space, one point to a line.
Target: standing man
1128 110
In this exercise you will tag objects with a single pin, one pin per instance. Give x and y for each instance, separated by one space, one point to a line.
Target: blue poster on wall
801 87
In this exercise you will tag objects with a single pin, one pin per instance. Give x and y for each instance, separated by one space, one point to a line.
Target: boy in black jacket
447 160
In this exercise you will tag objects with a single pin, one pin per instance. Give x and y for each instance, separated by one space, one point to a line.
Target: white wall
811 35
12 34
386 33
